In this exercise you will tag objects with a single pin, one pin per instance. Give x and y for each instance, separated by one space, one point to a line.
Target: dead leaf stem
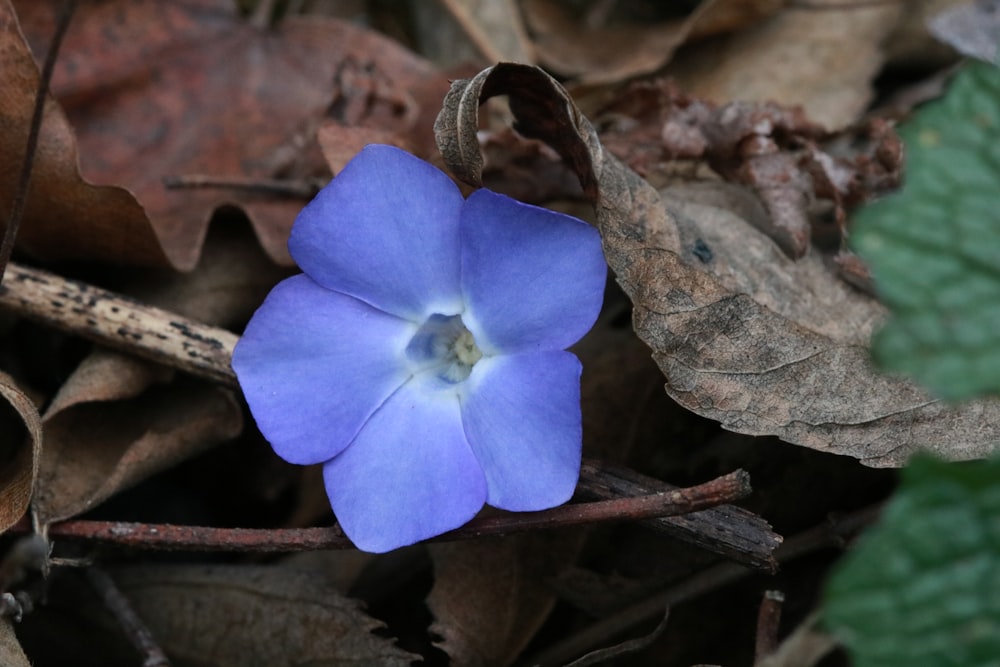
119 606
304 189
768 624
119 322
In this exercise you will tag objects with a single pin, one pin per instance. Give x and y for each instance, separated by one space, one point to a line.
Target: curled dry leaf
821 57
83 434
94 454
20 466
745 336
247 616
65 217
189 89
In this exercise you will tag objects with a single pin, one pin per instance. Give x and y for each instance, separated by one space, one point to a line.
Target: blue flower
421 356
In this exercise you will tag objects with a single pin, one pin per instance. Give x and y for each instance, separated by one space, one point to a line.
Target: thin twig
726 488
629 646
119 606
768 622
833 533
299 189
34 131
120 322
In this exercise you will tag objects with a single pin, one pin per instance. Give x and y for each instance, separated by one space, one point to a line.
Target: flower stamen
444 347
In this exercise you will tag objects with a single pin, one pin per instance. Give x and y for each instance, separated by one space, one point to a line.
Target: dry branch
116 321
726 488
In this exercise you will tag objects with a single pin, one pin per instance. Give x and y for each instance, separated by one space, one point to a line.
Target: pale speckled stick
119 322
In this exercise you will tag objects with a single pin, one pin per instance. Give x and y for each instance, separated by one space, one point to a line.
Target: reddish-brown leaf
173 89
66 217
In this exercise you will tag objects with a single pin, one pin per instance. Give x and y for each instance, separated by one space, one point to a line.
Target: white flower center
444 347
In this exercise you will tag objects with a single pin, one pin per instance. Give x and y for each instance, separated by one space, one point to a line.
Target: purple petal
533 279
409 475
522 415
314 365
385 230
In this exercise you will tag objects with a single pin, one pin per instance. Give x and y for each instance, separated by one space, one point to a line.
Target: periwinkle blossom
421 356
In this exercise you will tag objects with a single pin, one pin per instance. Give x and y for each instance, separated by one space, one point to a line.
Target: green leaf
923 587
934 247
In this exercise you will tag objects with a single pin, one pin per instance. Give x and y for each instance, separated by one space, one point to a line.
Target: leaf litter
732 269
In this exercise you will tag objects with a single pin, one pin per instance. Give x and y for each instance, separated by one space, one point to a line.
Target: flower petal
385 230
533 279
522 416
315 364
409 475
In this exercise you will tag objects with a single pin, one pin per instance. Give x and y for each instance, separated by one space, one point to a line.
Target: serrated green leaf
923 587
934 247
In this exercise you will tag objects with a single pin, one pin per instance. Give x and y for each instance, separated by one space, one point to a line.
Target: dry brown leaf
598 54
172 89
20 466
65 216
90 455
452 32
254 616
490 596
231 279
745 336
11 654
821 58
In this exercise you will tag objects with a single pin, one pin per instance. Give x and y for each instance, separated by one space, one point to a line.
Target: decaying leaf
180 89
490 596
745 336
11 654
66 217
20 459
823 58
593 52
652 126
254 616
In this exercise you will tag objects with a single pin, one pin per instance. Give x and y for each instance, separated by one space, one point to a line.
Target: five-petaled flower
421 355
